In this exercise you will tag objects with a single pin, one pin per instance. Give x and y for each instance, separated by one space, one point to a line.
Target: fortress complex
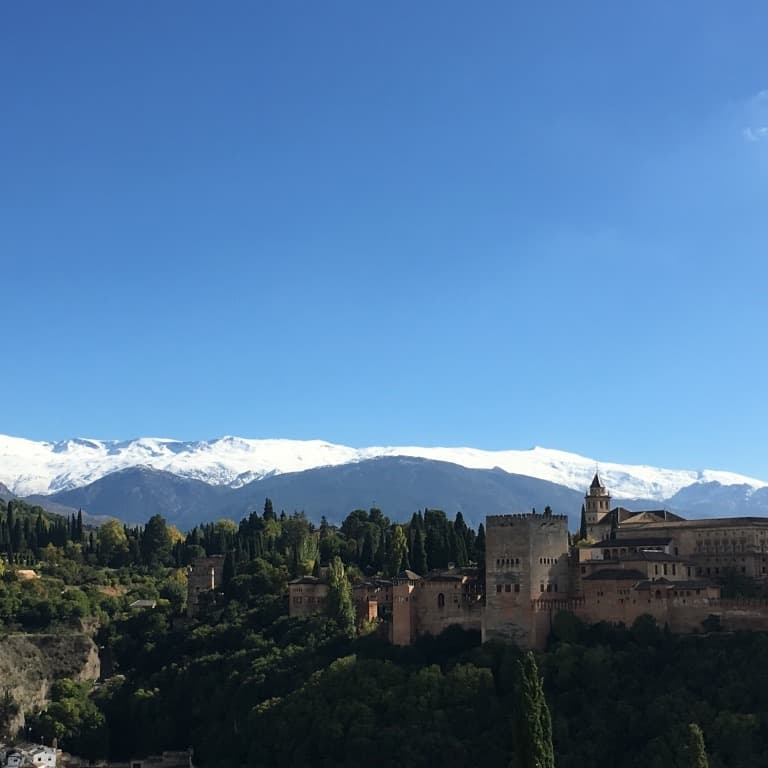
631 563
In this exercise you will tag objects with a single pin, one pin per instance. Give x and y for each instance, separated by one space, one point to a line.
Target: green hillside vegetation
244 684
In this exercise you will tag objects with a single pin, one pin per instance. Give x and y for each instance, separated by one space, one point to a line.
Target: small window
498 587
517 587
441 600
507 587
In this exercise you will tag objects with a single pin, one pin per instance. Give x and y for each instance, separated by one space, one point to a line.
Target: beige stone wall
306 599
526 560
460 604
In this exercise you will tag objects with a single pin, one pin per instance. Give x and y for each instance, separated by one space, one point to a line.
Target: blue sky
436 223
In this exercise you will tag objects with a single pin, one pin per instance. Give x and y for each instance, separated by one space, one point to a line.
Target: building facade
633 563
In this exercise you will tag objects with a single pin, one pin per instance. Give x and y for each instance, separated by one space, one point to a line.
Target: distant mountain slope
716 500
134 495
28 467
399 485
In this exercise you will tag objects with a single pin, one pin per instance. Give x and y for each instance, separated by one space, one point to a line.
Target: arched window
441 600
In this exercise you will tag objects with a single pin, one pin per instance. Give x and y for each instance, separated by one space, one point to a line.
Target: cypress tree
419 559
269 512
366 554
697 753
380 558
480 547
18 536
583 526
9 522
228 571
533 724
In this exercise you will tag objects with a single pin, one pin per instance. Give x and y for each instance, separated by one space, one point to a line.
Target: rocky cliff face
30 663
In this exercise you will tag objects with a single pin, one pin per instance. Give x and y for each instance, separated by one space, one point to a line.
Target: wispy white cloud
756 114
756 134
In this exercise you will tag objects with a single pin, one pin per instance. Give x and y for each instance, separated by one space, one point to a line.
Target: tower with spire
598 505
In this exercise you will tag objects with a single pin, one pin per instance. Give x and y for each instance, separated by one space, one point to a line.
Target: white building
43 756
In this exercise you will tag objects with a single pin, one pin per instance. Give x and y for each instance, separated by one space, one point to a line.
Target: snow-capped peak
29 467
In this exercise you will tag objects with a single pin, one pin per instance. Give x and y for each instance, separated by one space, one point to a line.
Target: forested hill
246 685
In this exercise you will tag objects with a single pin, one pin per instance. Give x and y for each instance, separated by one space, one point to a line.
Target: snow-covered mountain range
29 467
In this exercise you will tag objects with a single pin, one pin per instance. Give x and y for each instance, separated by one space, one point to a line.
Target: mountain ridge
30 467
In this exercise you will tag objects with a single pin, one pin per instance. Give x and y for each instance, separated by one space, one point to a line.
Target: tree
398 558
340 606
583 526
228 571
480 547
10 525
533 724
367 552
113 543
697 753
419 558
269 512
156 542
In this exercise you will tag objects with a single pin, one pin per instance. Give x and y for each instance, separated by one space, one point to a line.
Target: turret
597 501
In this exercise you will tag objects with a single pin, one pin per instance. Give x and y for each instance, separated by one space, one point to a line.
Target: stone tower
526 564
598 506
205 575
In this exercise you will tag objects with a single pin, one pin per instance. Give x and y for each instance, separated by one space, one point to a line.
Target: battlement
509 520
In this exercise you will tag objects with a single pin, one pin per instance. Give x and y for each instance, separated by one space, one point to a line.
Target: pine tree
533 724
697 753
269 512
340 606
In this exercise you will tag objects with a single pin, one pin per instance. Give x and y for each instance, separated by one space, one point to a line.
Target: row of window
516 588
511 562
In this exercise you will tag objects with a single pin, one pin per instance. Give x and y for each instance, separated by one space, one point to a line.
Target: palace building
631 564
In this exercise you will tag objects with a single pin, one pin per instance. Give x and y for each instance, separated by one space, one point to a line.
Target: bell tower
597 502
